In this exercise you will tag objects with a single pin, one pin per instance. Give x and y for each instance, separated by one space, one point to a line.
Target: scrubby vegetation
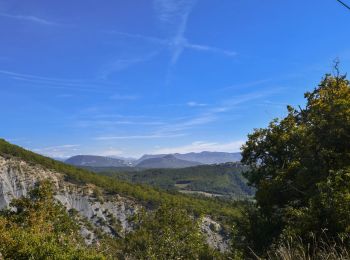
38 227
219 179
174 235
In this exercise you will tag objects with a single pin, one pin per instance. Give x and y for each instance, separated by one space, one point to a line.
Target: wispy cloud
195 104
59 151
114 123
249 84
121 64
199 146
124 97
29 18
93 117
140 37
110 152
199 47
129 137
170 10
212 113
188 123
171 43
59 83
175 14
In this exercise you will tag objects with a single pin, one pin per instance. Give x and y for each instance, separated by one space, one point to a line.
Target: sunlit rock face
109 213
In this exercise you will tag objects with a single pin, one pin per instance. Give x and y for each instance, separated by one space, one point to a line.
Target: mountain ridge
96 161
167 161
204 157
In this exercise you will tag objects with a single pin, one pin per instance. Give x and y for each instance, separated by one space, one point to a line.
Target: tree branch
344 4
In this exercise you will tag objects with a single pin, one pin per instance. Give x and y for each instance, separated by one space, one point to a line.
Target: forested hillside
224 180
143 193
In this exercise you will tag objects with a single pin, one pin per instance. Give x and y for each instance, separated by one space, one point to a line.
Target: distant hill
176 160
210 157
202 157
167 161
128 160
149 156
96 161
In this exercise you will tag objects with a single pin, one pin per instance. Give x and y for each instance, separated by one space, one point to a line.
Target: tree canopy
38 227
300 166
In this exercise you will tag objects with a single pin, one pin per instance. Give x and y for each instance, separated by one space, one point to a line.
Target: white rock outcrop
111 215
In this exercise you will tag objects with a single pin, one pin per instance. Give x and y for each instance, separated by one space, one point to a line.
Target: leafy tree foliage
300 167
167 233
38 227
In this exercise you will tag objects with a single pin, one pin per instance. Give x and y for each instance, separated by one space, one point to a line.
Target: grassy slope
221 210
225 179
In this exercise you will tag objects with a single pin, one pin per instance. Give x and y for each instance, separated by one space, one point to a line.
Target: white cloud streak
110 152
58 83
130 137
201 146
198 47
212 114
121 64
124 97
173 15
59 151
30 18
195 104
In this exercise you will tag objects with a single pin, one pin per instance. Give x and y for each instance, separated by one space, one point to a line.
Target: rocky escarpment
95 211
111 214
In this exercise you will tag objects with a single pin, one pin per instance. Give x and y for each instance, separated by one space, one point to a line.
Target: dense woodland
299 166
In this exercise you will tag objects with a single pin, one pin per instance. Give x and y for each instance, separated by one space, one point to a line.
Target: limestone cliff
110 214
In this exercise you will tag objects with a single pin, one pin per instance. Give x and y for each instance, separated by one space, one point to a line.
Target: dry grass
324 249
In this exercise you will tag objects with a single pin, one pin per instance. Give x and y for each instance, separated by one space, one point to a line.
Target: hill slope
211 180
202 157
168 161
95 161
210 157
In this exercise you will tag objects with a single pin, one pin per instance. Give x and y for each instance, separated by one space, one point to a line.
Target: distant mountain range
150 161
96 161
201 158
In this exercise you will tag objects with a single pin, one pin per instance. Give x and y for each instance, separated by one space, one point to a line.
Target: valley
147 161
221 180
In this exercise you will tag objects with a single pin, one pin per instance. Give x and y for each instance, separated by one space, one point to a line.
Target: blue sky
125 78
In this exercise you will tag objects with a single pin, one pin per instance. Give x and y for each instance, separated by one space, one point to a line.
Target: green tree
167 233
38 227
295 162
